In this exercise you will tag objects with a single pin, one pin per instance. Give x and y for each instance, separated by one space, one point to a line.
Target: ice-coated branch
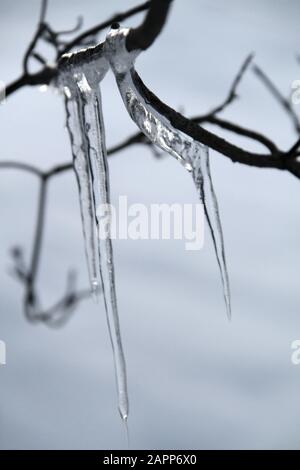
47 73
92 32
143 37
279 160
191 154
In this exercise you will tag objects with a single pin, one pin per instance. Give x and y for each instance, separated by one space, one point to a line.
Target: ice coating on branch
154 126
191 154
86 128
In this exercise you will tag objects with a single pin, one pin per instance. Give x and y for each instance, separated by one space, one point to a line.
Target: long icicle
100 179
86 113
191 154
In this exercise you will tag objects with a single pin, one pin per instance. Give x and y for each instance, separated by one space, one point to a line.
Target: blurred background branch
138 38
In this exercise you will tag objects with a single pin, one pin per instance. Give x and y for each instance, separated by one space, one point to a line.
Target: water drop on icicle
86 123
191 154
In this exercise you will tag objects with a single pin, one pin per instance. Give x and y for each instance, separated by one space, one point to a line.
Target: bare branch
285 103
293 150
239 130
39 230
7 165
232 95
44 7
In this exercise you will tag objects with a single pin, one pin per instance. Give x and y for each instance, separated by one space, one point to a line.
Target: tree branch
61 311
232 95
117 18
145 35
279 160
239 130
285 103
141 37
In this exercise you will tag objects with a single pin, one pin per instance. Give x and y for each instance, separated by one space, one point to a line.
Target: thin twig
39 230
44 6
232 95
239 130
46 74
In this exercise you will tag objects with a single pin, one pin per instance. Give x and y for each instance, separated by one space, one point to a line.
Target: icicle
73 106
204 185
86 124
191 154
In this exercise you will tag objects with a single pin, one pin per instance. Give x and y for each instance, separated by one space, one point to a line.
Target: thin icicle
73 106
191 154
204 185
86 111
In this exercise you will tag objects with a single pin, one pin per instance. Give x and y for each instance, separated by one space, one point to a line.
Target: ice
79 145
204 185
191 154
79 77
